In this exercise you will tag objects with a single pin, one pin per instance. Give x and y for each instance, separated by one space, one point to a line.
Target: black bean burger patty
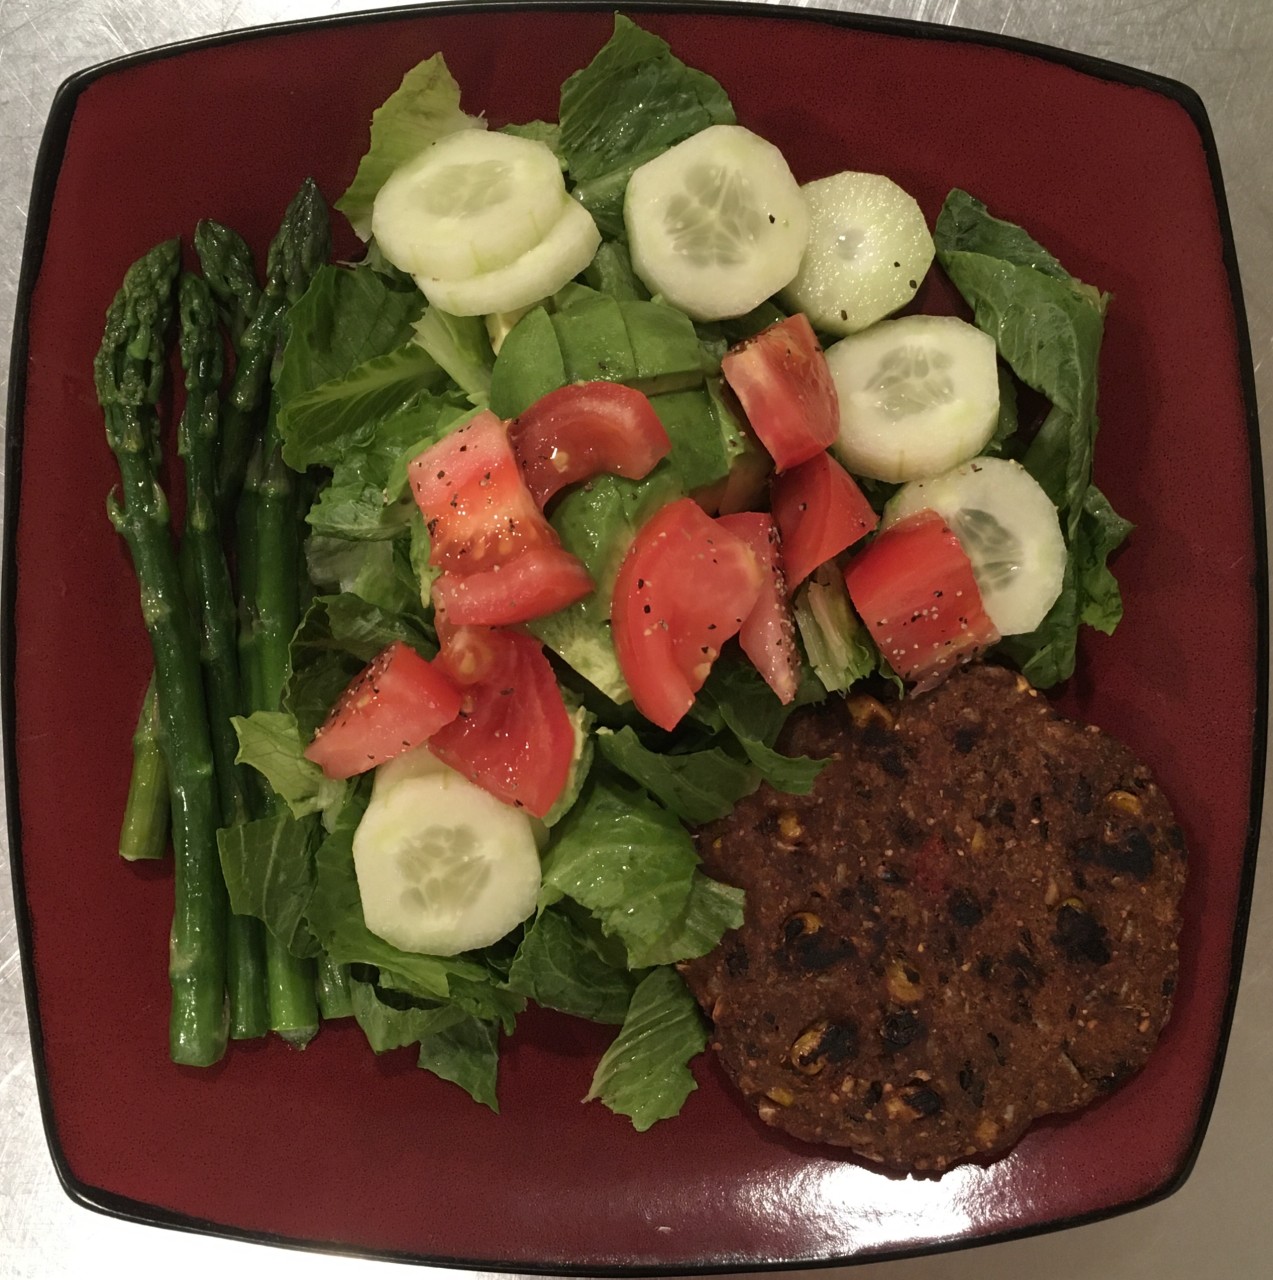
969 923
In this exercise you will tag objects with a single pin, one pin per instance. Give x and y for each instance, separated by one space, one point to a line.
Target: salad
509 549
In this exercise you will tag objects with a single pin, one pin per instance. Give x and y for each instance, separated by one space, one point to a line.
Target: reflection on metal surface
1219 1224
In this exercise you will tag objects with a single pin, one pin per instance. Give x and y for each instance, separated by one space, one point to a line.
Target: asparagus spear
213 597
227 266
128 372
143 834
270 544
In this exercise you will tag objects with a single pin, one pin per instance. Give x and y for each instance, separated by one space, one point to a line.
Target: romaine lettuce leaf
644 1073
630 104
839 647
460 346
271 743
424 108
697 786
711 909
346 317
624 858
1048 327
466 1054
338 636
564 964
268 866
392 1021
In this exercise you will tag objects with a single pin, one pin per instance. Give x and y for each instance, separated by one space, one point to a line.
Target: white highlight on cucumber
717 223
442 865
869 249
1008 528
917 396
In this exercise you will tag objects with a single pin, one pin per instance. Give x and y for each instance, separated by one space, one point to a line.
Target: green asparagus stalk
213 598
334 997
270 546
143 834
129 372
227 266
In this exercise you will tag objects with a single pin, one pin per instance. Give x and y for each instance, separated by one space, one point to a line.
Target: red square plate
1113 169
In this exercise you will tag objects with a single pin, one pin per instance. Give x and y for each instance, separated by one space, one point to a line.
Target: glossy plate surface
1112 170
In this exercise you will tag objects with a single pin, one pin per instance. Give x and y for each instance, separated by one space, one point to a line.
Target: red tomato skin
914 589
684 588
781 378
537 582
820 512
583 429
513 736
768 634
477 507
398 701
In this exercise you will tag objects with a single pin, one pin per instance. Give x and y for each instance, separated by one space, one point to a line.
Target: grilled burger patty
969 923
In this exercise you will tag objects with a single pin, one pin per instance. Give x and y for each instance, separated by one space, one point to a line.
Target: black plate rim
48 164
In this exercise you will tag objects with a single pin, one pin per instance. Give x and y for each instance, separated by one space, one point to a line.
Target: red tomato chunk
502 561
477 506
914 589
584 429
397 702
781 378
820 511
531 585
684 588
768 635
513 735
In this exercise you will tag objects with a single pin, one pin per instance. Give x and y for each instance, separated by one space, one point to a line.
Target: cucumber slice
471 203
1009 530
442 865
561 255
917 396
869 248
717 223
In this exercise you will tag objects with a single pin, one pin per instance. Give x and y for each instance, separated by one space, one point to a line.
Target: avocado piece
665 347
529 365
594 341
610 271
705 435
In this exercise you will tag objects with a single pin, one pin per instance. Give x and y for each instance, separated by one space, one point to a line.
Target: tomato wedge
502 561
684 588
820 511
915 591
584 429
513 735
536 583
781 378
476 504
768 634
395 703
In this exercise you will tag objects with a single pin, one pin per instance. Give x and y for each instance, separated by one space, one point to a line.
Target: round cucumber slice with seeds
1008 529
716 224
560 256
442 865
869 249
472 203
917 396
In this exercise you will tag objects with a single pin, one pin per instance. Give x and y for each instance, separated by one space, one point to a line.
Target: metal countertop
1220 1225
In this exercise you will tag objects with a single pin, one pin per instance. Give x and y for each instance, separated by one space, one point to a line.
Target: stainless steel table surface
1220 1225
